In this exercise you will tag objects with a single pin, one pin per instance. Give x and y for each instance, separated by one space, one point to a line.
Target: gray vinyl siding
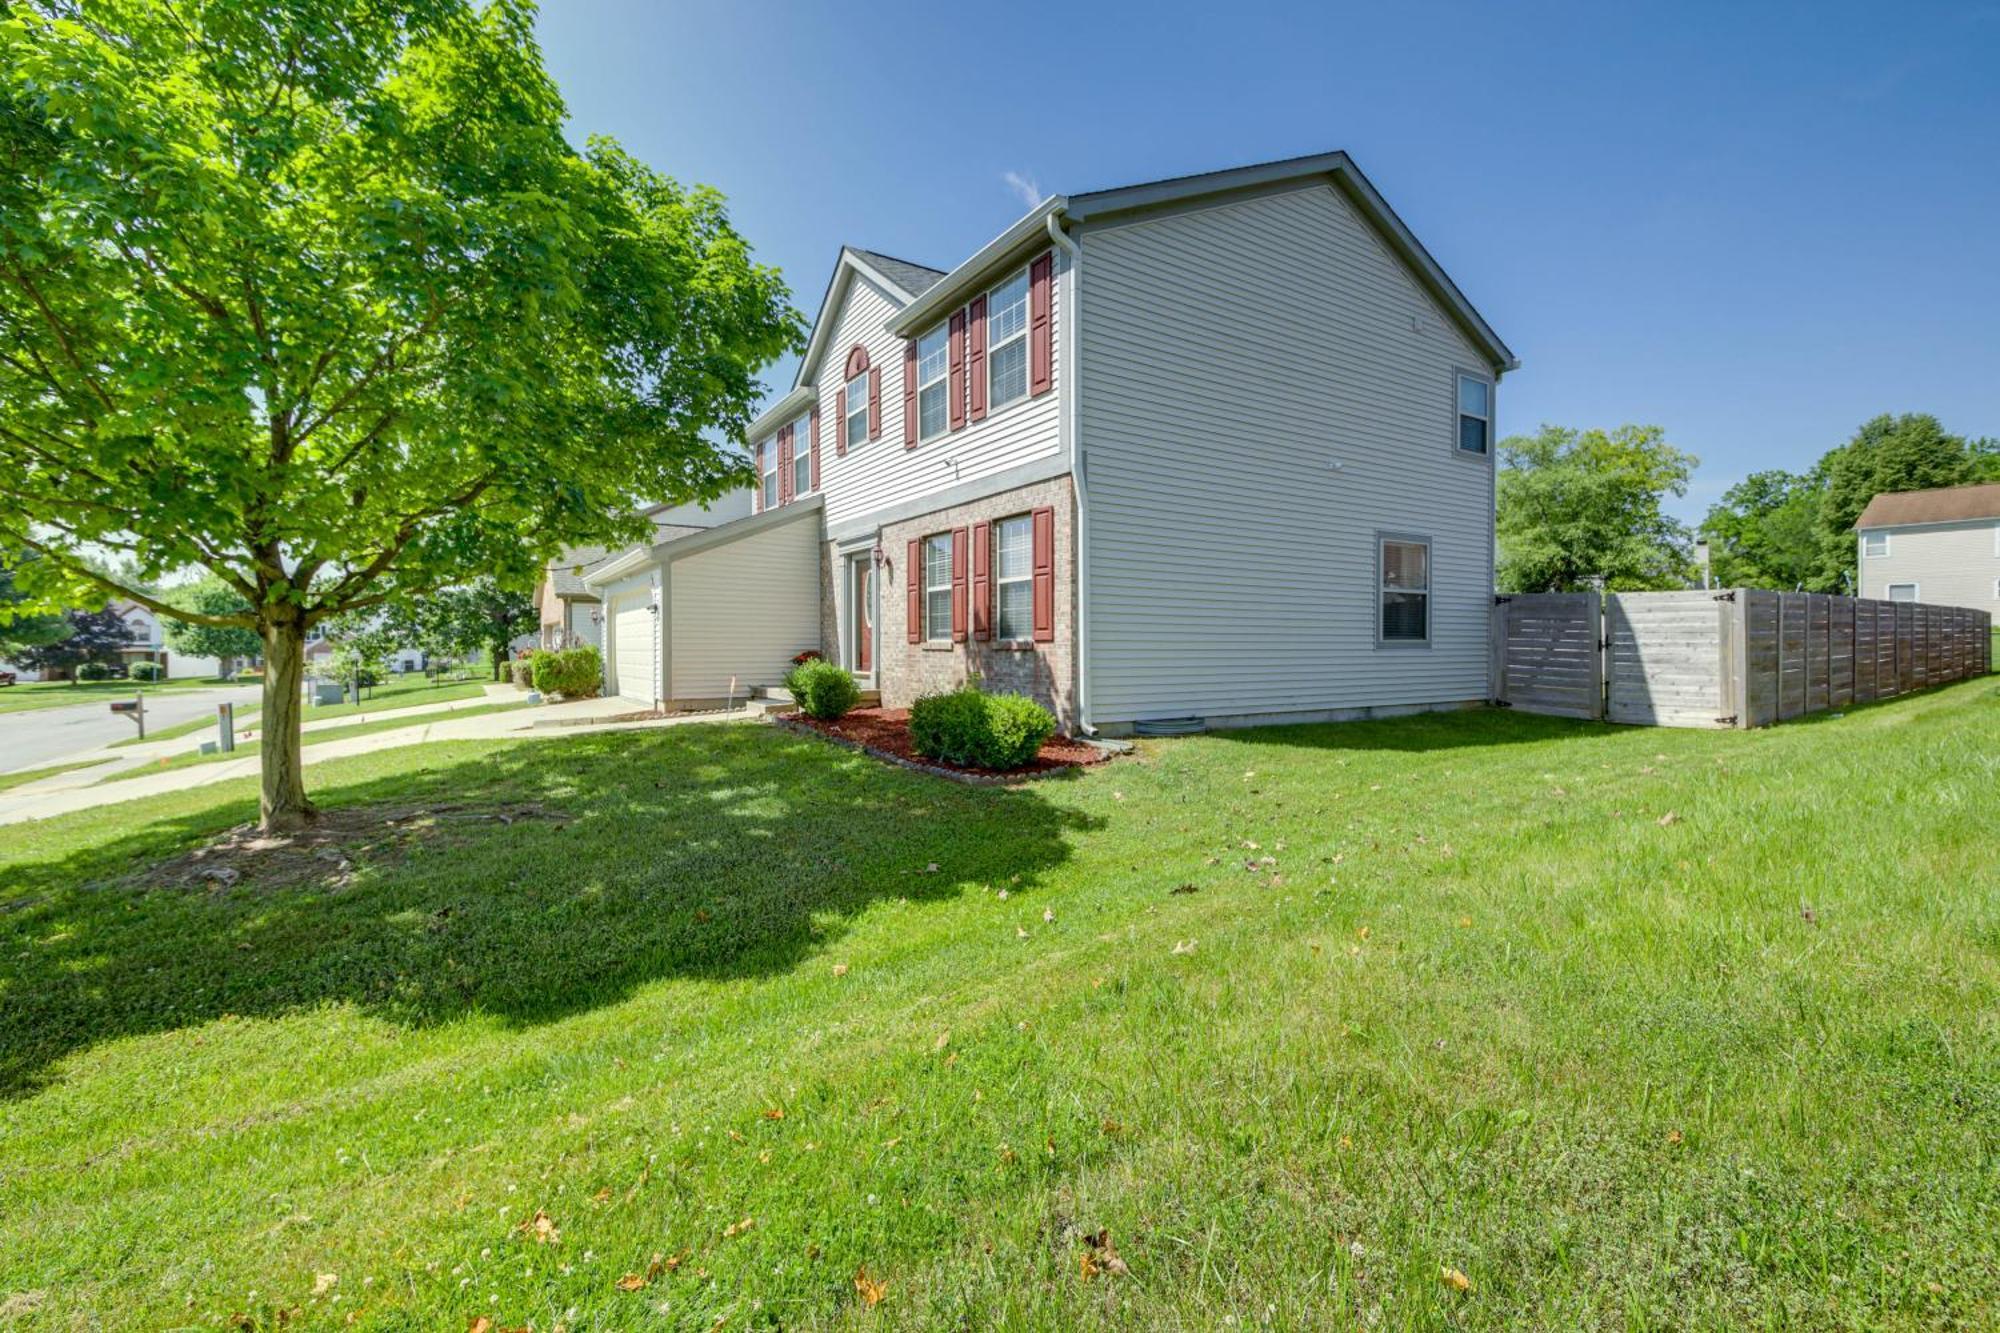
742 609
1952 564
881 474
1229 356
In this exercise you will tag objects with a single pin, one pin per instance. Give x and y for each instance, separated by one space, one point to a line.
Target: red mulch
888 729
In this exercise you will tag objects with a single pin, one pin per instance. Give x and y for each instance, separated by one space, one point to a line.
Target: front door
861 614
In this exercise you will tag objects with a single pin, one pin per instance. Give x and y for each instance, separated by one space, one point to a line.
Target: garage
635 646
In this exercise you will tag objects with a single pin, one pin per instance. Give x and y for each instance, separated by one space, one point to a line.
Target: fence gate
1546 653
1664 652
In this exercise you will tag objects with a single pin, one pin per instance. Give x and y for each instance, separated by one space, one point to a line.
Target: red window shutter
982 581
757 491
785 466
840 423
815 446
875 404
975 360
958 617
1043 525
914 579
1041 324
957 380
910 394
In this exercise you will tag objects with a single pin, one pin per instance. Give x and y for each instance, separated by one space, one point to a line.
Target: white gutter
952 288
1072 347
778 413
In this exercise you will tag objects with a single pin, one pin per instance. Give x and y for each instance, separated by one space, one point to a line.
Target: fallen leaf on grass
602 1196
1186 888
325 1282
871 1291
630 1282
736 1229
1101 1256
1674 1138
943 1040
1454 1279
479 1324
1669 819
540 1228
1048 915
1020 932
1183 946
840 969
775 1113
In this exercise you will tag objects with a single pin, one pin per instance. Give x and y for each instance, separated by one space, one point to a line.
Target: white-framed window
856 424
1405 564
1475 415
1007 341
1014 579
802 456
771 473
1996 590
933 383
1902 592
937 588
1874 544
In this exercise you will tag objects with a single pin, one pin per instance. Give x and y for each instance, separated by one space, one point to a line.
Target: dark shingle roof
916 279
1948 504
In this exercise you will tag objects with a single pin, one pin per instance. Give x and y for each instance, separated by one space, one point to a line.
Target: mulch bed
885 734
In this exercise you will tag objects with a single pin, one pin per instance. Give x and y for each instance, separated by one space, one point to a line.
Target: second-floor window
770 457
856 424
1874 543
1007 341
933 391
1475 414
937 588
802 456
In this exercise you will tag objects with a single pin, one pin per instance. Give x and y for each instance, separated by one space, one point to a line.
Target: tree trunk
282 806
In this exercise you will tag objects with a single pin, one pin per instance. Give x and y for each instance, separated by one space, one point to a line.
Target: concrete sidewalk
67 792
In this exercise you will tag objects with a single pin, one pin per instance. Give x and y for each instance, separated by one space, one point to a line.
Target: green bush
523 671
146 671
822 689
574 673
93 671
979 730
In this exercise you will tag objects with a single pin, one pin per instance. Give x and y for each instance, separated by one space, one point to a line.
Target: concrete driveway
43 736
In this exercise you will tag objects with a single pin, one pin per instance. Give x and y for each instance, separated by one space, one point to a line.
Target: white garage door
635 634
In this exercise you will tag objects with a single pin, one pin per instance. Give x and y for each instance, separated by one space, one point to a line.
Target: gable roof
1946 504
900 279
916 279
1336 168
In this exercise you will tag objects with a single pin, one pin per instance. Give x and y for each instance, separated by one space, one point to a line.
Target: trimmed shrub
574 673
822 689
978 730
146 671
522 670
93 671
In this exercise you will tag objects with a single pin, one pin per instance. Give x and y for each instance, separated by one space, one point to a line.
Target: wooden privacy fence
1741 657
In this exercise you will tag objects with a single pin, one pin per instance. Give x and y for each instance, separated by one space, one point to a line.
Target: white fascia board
844 270
778 413
956 285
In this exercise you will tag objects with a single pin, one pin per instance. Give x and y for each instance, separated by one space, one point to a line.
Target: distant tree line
1586 508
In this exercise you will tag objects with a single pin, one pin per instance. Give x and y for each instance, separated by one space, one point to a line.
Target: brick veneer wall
1043 671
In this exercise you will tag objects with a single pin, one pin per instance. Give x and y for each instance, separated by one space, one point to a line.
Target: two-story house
1209 451
1940 546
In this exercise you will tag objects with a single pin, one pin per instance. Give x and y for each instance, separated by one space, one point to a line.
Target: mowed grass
1627 1028
26 696
246 749
23 778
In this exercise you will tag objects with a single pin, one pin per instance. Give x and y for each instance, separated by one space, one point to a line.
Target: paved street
43 736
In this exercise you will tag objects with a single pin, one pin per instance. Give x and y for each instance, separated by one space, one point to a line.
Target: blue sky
1755 226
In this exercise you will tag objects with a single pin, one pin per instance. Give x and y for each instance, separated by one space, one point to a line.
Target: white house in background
1939 546
149 644
572 613
1208 451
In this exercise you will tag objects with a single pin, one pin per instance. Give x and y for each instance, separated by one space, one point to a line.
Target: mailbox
125 706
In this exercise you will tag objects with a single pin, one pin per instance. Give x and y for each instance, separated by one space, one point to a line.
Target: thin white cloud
1025 186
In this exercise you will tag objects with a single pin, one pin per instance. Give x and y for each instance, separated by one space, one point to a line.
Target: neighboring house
1210 451
1939 546
571 612
149 644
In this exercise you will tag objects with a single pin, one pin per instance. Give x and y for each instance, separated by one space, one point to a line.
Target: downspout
1072 389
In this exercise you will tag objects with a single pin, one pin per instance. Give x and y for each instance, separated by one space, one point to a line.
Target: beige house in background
1939 546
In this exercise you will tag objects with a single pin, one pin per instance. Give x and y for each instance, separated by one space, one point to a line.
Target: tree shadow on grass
714 852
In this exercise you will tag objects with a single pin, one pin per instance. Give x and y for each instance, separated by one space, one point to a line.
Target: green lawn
244 713
400 692
37 774
1630 1028
244 749
31 695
